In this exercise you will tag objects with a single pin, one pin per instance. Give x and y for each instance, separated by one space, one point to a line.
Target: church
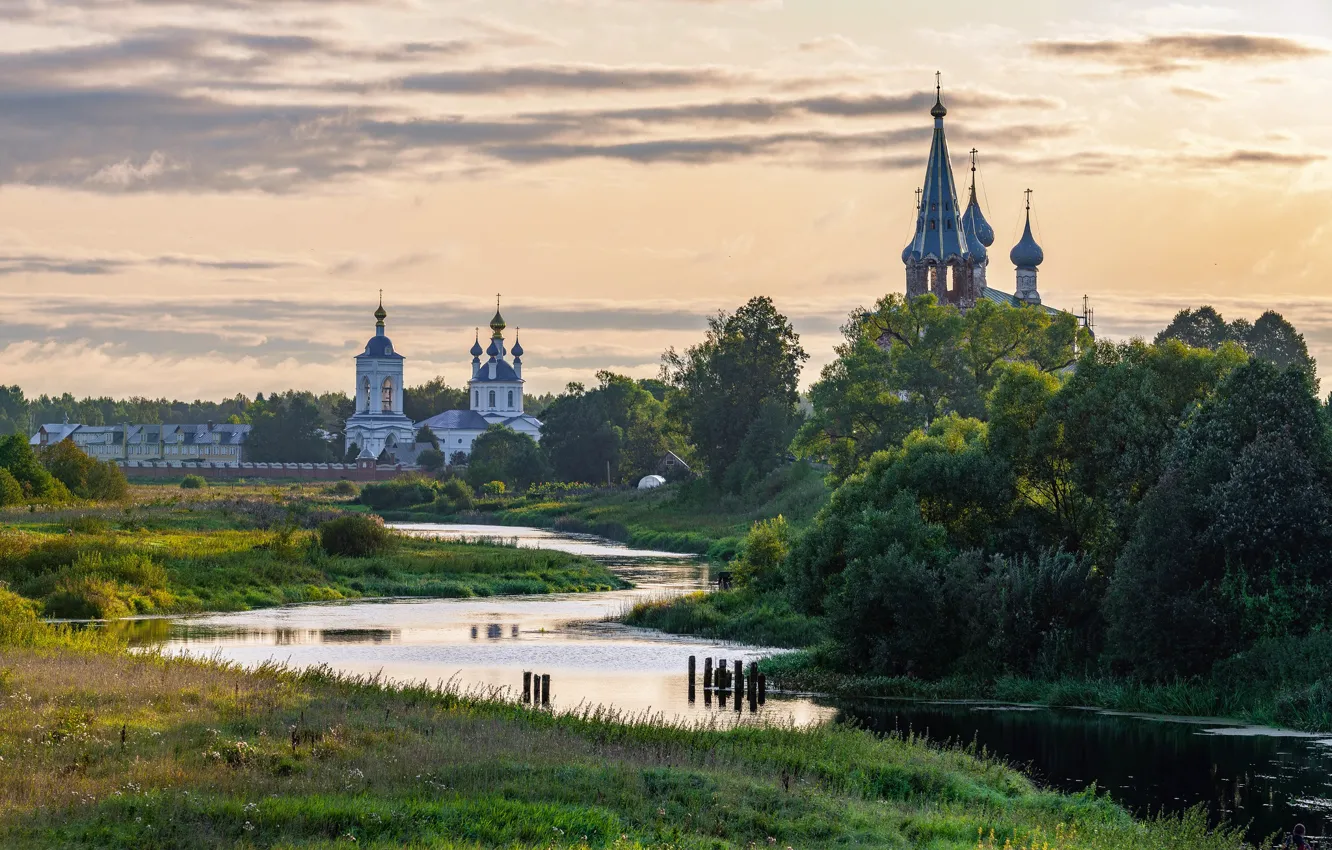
380 428
949 252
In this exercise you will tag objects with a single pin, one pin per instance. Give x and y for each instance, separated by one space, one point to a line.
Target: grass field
165 554
102 749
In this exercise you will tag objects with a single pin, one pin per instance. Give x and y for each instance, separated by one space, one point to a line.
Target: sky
200 198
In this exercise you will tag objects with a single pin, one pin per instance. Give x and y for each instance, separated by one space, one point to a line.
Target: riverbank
1277 683
688 517
105 749
240 554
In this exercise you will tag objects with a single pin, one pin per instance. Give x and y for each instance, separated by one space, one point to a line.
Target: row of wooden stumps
723 681
536 688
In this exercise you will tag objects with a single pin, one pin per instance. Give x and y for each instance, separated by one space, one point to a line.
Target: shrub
86 597
193 482
355 536
454 496
399 493
766 547
344 488
89 524
493 488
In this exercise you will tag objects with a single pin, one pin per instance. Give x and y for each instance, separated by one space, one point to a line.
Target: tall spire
939 238
380 315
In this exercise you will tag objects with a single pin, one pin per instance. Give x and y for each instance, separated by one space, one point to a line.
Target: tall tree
503 454
720 386
434 396
289 428
1271 338
619 426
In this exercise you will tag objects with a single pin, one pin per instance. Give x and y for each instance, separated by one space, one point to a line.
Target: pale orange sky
200 199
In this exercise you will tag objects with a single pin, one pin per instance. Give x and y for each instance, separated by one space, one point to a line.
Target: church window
386 399
932 224
476 398
510 398
950 224
934 207
367 395
492 398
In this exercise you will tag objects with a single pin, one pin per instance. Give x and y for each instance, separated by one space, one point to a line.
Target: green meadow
225 554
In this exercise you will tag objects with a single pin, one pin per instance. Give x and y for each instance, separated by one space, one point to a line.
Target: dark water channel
1266 779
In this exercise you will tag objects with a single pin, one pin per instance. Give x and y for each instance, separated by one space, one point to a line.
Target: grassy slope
107 750
198 560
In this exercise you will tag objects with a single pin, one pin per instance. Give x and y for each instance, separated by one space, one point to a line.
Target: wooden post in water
753 681
691 678
721 673
536 689
762 688
527 686
545 689
739 677
707 675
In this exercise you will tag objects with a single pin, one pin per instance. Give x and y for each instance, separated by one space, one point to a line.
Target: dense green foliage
1160 515
503 454
291 427
735 393
617 431
434 396
910 361
1270 338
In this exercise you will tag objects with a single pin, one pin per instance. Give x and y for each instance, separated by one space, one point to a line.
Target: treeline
1160 512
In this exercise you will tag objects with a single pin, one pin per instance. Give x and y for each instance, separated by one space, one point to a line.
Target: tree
434 396
431 460
1234 542
619 426
21 461
84 476
353 452
503 454
425 435
911 361
13 411
1271 338
288 428
719 387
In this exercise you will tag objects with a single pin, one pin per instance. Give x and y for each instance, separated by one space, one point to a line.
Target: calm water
1264 778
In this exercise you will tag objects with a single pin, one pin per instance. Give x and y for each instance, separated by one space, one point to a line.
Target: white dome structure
648 482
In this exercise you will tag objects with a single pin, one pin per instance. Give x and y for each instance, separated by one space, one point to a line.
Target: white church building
495 391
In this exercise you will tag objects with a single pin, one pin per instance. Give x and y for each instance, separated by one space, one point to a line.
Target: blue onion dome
974 222
476 346
909 253
517 348
1027 254
493 350
976 246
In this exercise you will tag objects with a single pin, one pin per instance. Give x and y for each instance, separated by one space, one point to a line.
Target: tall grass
118 751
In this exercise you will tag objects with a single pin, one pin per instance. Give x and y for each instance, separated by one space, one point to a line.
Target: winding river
1265 779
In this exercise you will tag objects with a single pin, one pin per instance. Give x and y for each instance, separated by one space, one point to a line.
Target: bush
399 493
454 497
493 488
766 547
355 536
89 524
344 488
193 482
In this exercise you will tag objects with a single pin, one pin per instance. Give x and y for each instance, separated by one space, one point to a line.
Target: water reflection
1264 778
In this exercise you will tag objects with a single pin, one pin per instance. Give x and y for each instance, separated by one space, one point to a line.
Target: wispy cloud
1169 54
